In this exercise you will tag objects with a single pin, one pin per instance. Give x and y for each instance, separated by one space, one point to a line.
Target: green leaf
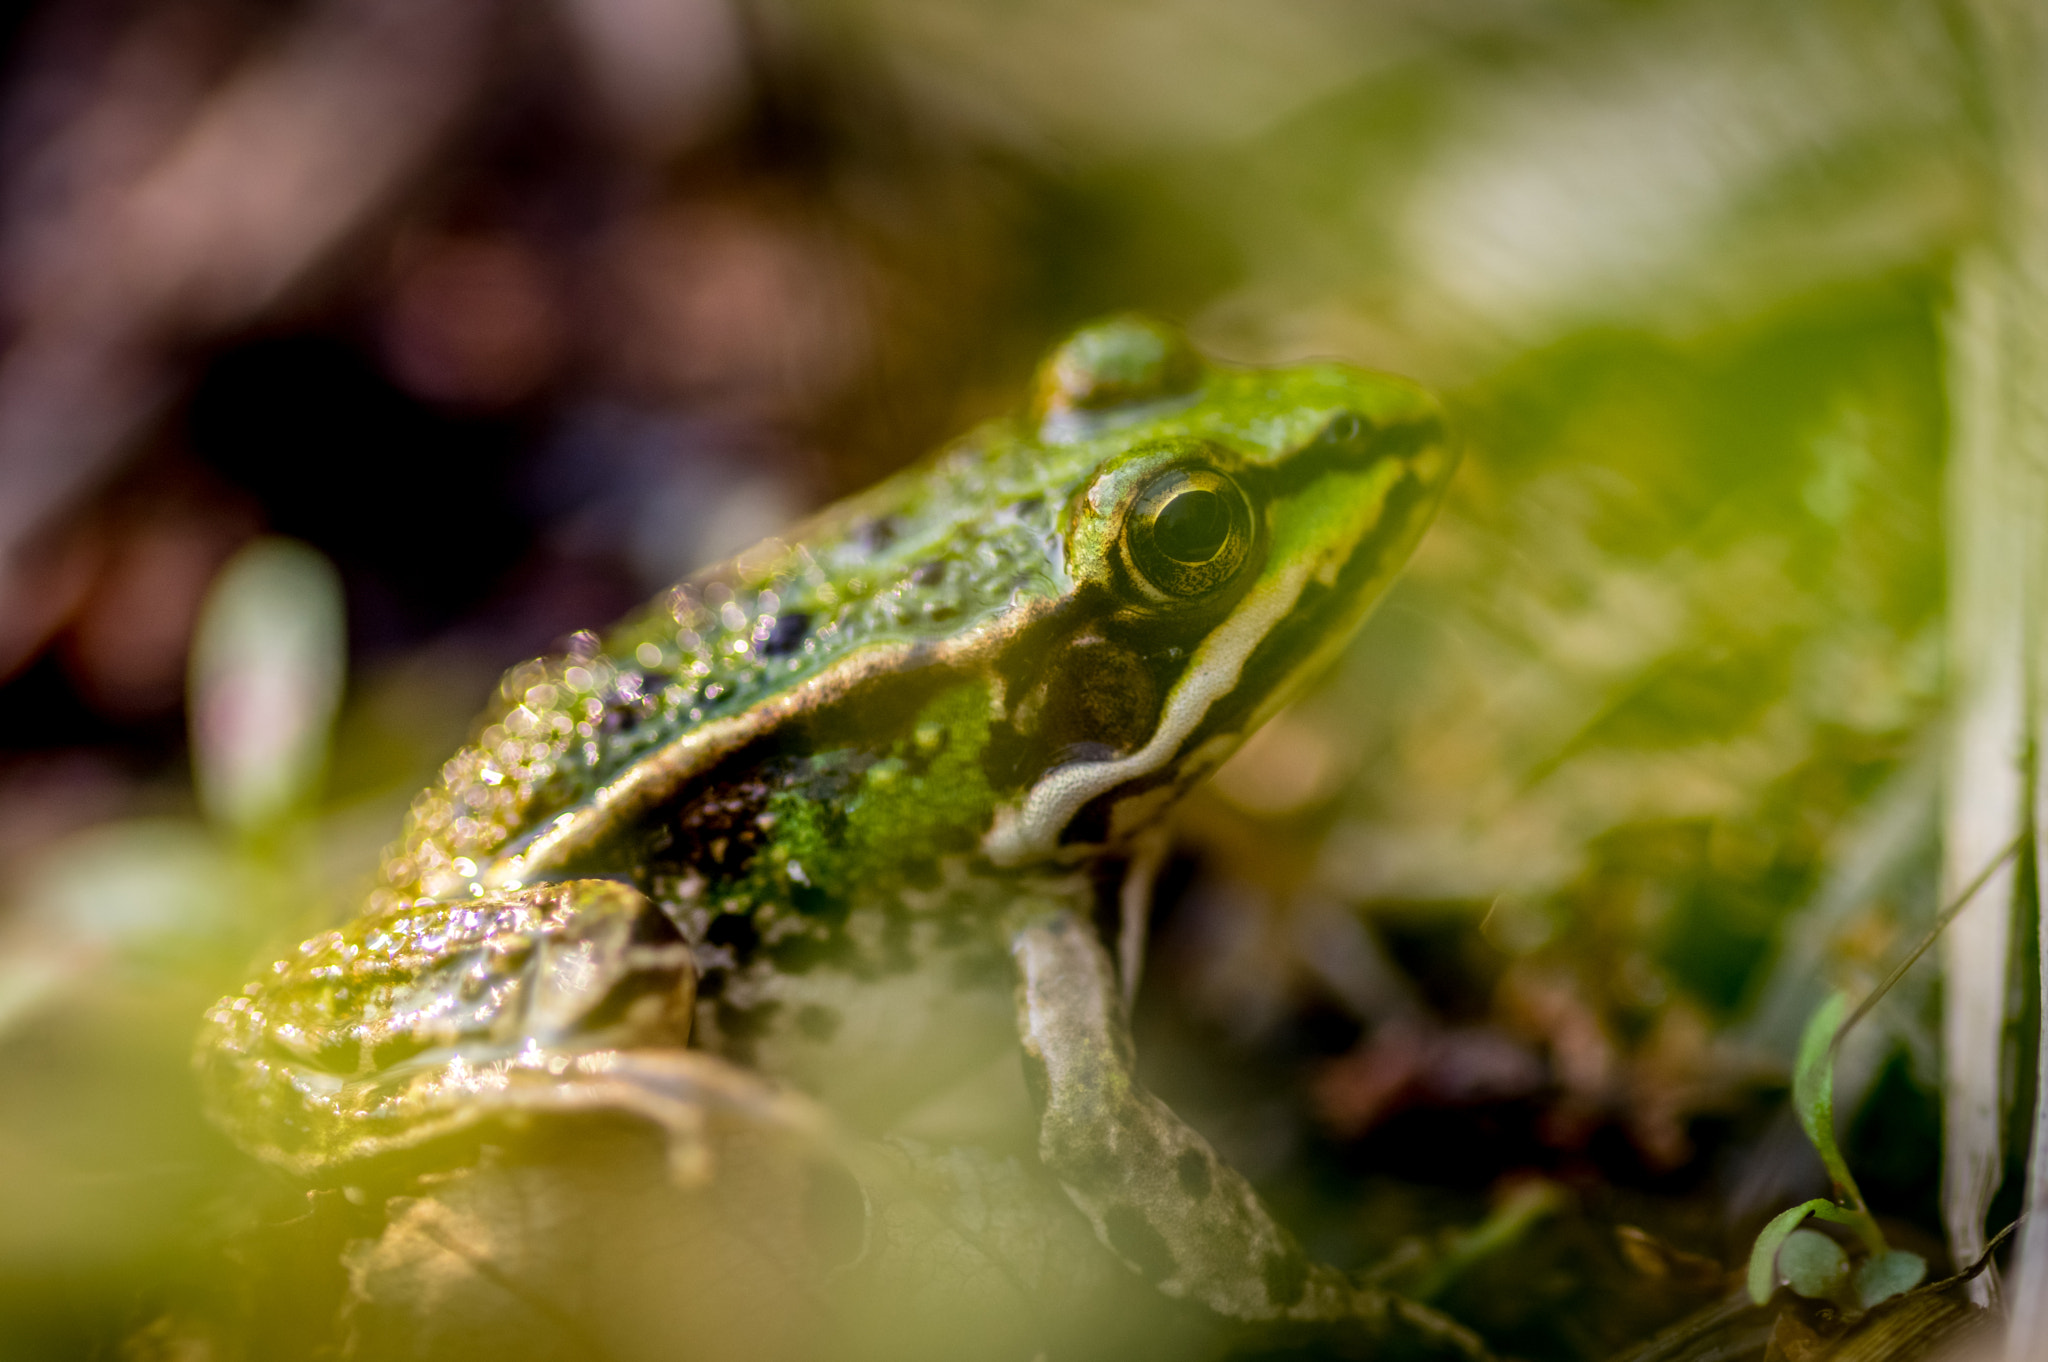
1886 1275
1763 1258
1813 1098
1813 1087
1814 1265
266 678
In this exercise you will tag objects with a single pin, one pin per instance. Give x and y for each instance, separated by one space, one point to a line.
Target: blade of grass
1983 799
1999 584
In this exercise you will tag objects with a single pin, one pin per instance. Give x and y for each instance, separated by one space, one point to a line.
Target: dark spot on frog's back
791 628
930 573
1133 1237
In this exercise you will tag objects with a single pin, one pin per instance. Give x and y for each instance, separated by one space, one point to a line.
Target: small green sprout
1812 1264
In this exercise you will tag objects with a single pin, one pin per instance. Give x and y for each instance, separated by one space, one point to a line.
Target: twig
1983 1261
1941 922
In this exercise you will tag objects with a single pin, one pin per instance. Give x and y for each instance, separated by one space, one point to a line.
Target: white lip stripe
1033 830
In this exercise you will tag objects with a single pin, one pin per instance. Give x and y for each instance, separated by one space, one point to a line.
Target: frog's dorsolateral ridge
816 831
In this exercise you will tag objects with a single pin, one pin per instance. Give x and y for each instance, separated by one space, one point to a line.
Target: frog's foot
429 1019
1156 1192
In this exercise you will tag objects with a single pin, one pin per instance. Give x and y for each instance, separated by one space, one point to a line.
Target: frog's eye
1188 531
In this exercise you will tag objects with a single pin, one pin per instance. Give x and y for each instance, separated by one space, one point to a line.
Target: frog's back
900 575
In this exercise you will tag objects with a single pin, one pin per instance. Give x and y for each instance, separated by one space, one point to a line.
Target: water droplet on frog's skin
787 635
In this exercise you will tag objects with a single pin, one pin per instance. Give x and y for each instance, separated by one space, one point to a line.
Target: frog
840 821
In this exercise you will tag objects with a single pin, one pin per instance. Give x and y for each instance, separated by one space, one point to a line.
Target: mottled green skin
833 783
943 547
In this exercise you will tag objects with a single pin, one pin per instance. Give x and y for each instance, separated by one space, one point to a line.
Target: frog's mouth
1313 593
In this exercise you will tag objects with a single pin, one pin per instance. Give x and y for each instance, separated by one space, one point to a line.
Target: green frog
831 826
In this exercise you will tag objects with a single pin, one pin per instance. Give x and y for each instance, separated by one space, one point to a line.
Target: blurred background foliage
356 349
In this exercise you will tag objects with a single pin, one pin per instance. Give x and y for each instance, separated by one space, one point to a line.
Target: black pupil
1192 527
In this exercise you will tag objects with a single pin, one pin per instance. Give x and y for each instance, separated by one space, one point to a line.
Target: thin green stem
1933 933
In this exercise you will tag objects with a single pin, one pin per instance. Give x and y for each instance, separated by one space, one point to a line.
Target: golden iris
1188 531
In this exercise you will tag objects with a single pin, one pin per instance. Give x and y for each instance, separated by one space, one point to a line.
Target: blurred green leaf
267 664
150 891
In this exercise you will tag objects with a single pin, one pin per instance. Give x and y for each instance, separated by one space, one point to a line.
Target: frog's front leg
1156 1192
429 1018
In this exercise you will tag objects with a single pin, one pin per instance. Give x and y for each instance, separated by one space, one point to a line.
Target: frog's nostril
1346 432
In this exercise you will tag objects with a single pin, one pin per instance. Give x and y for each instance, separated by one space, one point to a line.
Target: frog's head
1225 532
